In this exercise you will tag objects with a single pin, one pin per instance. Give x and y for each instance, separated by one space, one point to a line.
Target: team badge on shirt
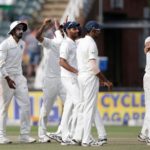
21 46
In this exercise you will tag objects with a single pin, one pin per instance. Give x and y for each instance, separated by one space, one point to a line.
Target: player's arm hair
63 63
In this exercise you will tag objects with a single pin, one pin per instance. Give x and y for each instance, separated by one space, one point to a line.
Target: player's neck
16 38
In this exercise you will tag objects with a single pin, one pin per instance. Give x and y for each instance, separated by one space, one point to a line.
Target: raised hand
57 24
47 22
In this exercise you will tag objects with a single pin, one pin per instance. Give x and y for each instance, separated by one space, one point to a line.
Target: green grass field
119 138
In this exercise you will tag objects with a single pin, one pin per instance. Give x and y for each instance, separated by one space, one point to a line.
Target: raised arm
59 34
46 23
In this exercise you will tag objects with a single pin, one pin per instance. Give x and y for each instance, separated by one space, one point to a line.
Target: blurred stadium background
126 24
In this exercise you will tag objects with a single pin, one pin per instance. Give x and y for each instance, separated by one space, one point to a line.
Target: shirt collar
70 40
13 40
89 37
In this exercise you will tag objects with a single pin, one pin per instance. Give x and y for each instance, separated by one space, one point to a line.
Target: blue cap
71 24
92 25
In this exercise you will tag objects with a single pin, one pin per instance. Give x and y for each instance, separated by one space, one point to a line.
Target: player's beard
75 36
19 36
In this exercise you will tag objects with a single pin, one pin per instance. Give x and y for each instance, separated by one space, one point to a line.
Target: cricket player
88 77
69 79
144 136
52 85
102 135
13 83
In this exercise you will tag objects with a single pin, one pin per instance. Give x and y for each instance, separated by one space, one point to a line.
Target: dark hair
90 25
69 25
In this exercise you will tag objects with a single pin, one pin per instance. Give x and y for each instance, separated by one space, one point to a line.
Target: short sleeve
93 51
58 37
64 50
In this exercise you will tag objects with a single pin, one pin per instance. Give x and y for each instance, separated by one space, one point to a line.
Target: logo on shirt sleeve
92 52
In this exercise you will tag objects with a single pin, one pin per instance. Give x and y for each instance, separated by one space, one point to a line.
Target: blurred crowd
32 55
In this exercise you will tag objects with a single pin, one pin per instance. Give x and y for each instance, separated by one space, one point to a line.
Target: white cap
147 39
16 23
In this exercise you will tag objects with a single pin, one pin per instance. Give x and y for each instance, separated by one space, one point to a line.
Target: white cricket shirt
147 68
86 50
68 52
11 56
51 55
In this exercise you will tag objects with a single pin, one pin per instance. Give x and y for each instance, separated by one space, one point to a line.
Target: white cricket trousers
52 87
21 94
89 86
99 125
146 125
71 106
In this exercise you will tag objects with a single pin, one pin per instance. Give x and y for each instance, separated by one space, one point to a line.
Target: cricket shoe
142 138
148 141
102 141
92 139
75 142
5 140
92 143
55 137
26 139
67 142
44 139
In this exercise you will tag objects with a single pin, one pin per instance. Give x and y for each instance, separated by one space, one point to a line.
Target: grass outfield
119 138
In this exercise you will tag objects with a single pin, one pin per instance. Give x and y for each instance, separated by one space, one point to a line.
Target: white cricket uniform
89 87
10 65
52 85
69 80
97 120
146 83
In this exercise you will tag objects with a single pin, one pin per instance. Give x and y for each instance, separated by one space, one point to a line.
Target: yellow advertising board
114 107
35 101
120 107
